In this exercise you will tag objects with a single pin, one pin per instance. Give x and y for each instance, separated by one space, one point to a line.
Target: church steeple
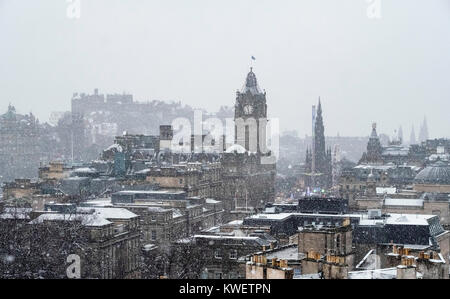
423 135
374 148
319 109
319 140
320 154
374 134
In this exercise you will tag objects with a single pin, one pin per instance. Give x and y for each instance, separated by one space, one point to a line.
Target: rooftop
364 219
110 213
286 253
437 174
387 273
388 190
86 219
403 202
251 84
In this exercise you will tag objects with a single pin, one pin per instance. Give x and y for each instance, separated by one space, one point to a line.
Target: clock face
248 109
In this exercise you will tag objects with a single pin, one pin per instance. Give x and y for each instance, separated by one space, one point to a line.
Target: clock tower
250 116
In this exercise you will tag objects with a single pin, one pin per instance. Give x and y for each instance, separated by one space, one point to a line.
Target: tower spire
320 155
251 84
423 136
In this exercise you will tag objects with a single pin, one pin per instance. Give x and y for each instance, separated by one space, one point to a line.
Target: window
338 244
218 275
153 218
153 235
233 254
217 254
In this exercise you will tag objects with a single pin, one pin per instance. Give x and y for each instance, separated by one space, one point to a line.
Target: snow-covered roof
235 222
148 247
364 220
388 190
110 213
211 201
176 213
405 202
99 202
85 170
151 192
288 253
408 219
143 171
396 151
377 167
116 147
86 219
220 237
279 216
308 276
214 229
387 273
283 216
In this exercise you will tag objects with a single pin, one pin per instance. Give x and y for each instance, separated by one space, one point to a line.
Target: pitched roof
251 84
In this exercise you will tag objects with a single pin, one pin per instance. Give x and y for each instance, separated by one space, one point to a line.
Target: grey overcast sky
393 70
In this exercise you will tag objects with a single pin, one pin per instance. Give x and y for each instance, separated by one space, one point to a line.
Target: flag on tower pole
251 63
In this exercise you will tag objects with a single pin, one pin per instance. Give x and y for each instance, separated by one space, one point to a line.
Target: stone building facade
328 250
109 238
20 146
